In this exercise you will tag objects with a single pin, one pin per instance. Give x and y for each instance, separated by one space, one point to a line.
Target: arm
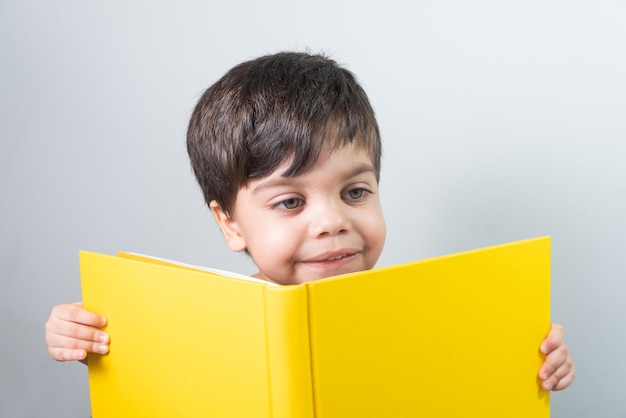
557 371
72 332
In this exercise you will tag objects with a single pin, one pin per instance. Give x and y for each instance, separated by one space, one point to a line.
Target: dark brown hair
263 111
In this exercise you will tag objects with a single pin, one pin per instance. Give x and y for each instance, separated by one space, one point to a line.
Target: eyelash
281 204
345 196
362 195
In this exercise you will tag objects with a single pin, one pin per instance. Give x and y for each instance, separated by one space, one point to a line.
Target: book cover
451 336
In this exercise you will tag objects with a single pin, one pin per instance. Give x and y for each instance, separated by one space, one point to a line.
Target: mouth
333 259
338 257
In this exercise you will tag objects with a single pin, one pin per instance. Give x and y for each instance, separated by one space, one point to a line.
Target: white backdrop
501 121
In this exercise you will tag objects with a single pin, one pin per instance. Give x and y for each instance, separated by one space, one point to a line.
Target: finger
74 312
69 320
566 380
61 341
77 331
65 348
562 377
558 371
555 360
553 340
66 354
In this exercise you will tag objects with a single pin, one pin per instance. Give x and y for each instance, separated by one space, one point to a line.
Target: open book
452 336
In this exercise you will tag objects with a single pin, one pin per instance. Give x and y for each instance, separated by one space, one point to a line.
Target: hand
557 371
72 332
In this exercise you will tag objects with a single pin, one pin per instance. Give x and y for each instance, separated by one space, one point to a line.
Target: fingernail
547 386
543 375
103 338
103 349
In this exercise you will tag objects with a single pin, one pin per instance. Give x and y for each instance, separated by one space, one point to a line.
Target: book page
165 261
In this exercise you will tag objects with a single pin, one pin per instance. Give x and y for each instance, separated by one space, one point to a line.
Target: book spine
288 352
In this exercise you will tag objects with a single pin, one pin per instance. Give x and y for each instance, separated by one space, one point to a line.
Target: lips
339 257
333 256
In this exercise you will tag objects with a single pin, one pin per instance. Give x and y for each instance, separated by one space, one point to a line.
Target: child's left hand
557 371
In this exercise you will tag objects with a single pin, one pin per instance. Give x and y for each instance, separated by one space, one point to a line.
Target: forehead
347 156
333 164
339 155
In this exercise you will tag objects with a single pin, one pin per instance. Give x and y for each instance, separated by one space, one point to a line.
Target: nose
329 218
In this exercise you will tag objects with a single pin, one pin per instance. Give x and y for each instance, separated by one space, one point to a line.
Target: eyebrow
291 181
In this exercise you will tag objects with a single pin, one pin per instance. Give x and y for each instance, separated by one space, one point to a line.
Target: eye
292 203
355 194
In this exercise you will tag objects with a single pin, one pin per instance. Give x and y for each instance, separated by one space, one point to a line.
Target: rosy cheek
271 243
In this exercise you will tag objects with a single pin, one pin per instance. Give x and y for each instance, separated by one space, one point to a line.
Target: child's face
325 222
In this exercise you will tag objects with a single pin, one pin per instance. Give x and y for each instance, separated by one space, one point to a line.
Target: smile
339 257
334 256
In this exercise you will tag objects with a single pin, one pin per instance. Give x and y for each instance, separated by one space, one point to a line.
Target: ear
229 227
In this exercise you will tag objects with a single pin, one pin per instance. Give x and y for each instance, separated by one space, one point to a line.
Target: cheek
378 241
375 223
373 231
271 245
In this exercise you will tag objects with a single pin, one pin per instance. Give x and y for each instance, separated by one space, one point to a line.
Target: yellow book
452 336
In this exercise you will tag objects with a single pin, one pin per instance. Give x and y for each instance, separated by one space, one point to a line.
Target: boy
286 150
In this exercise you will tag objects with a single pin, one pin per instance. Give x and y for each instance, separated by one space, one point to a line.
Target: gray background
501 121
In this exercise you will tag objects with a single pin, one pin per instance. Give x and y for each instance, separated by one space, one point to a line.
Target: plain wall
500 120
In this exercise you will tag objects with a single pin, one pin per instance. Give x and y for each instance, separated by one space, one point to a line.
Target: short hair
263 111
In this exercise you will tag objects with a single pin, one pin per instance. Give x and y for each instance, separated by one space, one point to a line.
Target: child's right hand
72 332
